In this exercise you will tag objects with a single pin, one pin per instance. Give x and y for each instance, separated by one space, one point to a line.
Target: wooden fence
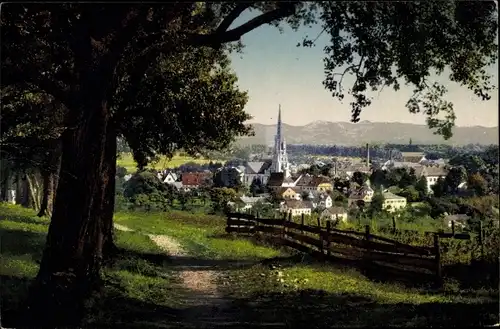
364 248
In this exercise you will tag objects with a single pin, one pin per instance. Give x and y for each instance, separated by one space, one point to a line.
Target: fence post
393 224
328 243
283 222
437 251
481 239
228 218
255 223
302 223
367 247
320 234
453 227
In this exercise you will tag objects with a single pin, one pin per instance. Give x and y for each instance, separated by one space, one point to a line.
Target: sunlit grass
199 233
136 284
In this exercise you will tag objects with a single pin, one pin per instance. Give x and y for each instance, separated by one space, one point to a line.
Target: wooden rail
330 243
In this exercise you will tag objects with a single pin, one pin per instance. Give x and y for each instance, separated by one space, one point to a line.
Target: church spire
278 128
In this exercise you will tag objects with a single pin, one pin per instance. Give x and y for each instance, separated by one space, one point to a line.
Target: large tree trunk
81 222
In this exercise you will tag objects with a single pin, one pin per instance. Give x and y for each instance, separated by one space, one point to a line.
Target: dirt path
205 305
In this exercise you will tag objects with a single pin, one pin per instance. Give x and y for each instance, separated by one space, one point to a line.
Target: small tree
220 198
410 193
455 176
439 189
422 187
478 184
378 178
359 177
256 187
376 205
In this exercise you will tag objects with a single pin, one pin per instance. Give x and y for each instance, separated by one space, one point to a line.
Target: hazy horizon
274 71
360 122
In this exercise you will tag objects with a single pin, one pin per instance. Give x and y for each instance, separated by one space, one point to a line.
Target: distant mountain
354 134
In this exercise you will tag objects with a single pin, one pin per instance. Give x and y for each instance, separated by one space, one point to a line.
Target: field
178 269
127 161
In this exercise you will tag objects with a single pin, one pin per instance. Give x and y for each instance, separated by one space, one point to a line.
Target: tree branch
235 13
216 39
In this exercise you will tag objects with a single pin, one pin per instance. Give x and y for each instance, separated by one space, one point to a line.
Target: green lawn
127 161
279 286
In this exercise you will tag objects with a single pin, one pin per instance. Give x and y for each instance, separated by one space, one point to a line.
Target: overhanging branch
235 13
216 39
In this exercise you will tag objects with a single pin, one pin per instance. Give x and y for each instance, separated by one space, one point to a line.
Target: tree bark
5 181
46 194
26 189
109 181
18 198
49 177
81 222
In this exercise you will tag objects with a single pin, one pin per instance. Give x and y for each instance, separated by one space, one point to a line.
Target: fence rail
330 243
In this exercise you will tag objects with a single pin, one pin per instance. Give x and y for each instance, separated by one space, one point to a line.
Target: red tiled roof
193 178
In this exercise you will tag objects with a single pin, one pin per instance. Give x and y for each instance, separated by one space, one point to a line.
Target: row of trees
384 151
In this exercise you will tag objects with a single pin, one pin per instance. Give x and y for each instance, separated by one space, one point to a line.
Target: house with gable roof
257 170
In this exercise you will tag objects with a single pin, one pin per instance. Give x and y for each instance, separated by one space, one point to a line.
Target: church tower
280 158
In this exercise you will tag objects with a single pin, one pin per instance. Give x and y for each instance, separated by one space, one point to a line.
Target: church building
262 170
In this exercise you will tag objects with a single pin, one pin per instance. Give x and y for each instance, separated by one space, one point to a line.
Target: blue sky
274 71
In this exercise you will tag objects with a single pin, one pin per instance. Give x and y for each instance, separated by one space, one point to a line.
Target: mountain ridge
353 134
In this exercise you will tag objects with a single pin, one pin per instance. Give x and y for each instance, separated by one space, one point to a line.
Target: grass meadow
142 290
126 160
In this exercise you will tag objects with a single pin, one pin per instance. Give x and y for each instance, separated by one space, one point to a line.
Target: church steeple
280 158
278 127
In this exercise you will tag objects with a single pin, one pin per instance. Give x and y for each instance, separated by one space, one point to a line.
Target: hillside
353 134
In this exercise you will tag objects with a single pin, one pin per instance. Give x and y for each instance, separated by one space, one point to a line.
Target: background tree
472 163
182 198
409 177
454 178
478 184
359 178
410 193
220 198
377 178
439 188
376 205
422 187
256 187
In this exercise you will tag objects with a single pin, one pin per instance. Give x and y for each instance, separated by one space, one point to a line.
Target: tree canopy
159 75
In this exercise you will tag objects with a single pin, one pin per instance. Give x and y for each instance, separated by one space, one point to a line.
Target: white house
393 202
170 178
246 203
296 207
334 214
431 174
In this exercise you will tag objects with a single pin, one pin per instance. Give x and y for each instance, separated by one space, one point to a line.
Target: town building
364 193
413 157
431 174
393 202
334 214
296 207
193 180
278 164
280 158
